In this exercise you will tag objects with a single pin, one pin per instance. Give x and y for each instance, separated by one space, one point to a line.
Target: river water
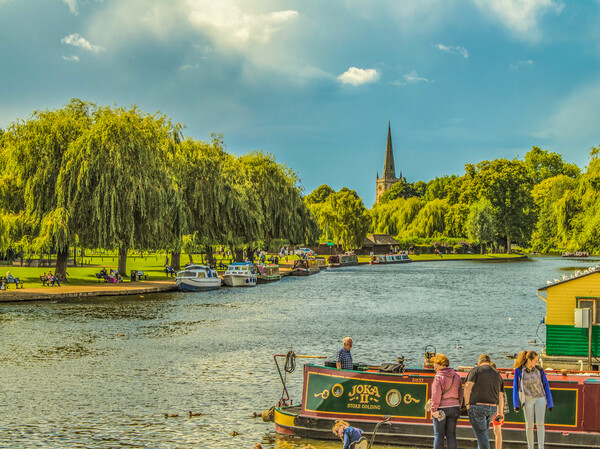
102 373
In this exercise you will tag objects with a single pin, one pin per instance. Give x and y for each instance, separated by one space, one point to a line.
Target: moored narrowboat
305 267
333 261
348 260
363 397
267 274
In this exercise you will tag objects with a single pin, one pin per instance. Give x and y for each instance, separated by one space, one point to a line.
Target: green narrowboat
365 395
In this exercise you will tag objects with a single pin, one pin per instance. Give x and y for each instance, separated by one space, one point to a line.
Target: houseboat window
593 304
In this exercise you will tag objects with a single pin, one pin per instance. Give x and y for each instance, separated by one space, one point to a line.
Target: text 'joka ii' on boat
267 274
197 278
343 260
240 274
365 395
305 267
381 259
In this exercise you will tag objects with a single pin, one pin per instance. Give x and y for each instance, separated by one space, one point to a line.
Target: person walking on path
484 399
343 359
446 398
346 432
531 392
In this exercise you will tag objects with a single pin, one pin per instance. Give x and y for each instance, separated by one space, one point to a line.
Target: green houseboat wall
570 340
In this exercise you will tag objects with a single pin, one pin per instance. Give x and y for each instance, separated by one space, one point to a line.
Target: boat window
201 274
594 304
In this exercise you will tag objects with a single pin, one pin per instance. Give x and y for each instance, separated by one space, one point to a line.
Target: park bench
44 281
101 278
141 274
6 282
170 272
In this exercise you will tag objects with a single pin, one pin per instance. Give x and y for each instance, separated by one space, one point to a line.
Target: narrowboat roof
587 272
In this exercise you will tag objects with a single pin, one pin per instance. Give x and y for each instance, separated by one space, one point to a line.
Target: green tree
35 151
346 218
402 189
543 165
480 223
319 195
117 182
507 185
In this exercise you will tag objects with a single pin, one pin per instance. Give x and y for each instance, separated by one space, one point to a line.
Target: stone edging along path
65 292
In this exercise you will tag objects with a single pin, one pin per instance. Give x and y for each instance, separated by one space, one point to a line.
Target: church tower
388 179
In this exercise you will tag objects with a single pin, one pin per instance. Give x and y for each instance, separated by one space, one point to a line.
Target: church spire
389 171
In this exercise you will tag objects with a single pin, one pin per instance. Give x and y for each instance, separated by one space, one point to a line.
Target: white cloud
411 78
227 23
72 5
455 49
189 67
71 58
520 16
521 64
77 41
356 76
574 124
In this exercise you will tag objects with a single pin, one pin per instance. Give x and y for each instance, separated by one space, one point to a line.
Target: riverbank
68 291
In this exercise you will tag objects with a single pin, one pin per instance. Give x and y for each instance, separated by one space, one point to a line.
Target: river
102 373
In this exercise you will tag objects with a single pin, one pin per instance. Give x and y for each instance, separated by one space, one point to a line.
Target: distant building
379 244
388 179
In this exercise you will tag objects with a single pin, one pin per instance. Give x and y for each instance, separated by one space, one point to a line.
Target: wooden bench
4 280
170 272
44 281
141 274
101 277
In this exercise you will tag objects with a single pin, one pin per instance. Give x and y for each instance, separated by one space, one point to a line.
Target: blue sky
315 82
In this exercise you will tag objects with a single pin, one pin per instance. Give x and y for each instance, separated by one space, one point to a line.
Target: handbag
428 403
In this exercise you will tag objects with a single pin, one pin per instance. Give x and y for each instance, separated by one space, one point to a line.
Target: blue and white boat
240 274
196 278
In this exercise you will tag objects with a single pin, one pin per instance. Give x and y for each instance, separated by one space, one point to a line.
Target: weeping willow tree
117 185
283 212
218 210
35 151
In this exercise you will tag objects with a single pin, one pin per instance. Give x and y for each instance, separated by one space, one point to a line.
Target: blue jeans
446 428
480 417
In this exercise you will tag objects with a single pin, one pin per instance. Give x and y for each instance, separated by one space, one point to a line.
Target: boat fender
268 415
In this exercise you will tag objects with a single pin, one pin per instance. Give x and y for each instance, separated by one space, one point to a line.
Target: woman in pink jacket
446 398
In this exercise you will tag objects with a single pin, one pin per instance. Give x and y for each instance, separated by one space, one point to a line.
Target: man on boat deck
344 358
484 399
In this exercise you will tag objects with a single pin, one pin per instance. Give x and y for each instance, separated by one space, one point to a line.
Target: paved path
83 291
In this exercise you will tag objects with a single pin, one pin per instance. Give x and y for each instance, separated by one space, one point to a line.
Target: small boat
240 274
363 395
348 260
305 267
389 258
333 261
196 278
576 254
267 274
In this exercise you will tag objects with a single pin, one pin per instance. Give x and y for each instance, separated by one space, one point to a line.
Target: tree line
117 178
539 202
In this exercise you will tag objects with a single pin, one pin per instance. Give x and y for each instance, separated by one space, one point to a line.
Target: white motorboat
240 274
197 278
